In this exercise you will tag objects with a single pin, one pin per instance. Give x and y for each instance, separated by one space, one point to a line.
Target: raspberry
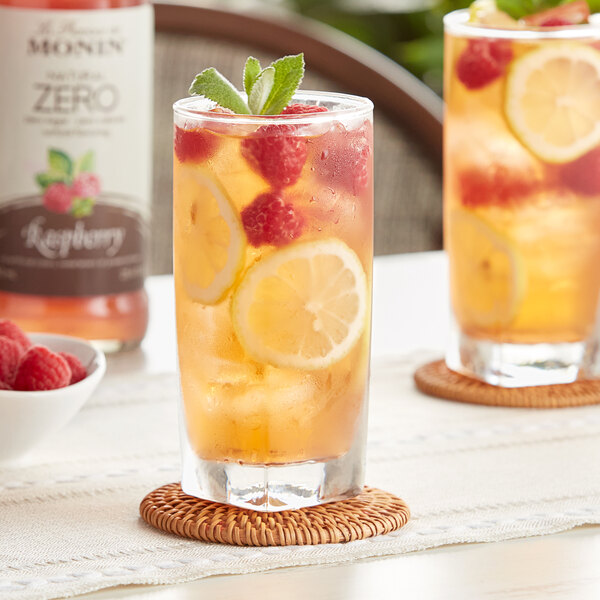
361 153
554 22
220 126
86 185
58 198
344 157
4 386
571 13
14 332
195 145
275 153
482 61
302 109
10 353
496 185
78 371
41 369
270 220
583 175
221 110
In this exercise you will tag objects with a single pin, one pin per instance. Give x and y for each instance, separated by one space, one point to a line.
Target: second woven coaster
372 512
436 379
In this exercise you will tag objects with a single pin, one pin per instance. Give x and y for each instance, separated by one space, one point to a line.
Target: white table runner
69 520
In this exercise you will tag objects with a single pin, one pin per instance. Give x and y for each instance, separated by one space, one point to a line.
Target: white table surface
410 312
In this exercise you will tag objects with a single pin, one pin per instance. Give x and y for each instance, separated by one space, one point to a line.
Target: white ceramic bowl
26 418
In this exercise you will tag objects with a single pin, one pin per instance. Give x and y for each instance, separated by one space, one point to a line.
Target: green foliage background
413 39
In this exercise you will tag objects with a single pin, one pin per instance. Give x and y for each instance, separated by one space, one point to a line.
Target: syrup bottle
75 166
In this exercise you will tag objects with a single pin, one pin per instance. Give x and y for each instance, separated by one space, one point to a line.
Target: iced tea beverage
273 248
522 194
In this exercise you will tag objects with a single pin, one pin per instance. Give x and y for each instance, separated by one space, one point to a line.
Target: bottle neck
71 4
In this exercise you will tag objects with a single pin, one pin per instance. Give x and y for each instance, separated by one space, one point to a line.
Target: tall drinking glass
522 200
273 251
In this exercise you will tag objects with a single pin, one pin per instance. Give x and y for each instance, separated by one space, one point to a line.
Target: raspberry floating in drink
303 109
583 174
482 62
344 157
194 145
271 220
277 153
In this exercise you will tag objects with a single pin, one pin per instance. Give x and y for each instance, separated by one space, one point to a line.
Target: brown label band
51 254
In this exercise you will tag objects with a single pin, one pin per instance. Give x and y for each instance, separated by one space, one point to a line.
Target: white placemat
69 520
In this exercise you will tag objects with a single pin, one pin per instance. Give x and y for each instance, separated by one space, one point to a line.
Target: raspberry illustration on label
69 186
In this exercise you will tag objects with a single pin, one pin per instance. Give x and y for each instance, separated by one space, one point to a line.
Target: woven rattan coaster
372 512
436 379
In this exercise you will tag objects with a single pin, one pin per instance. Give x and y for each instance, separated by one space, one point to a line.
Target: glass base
272 487
520 365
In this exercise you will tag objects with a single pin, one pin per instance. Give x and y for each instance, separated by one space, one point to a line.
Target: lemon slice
486 274
303 306
209 239
552 100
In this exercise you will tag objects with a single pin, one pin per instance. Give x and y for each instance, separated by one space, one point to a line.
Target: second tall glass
522 200
273 247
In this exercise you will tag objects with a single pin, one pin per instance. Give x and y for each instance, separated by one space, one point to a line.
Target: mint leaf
59 162
46 179
212 85
85 163
251 72
289 71
518 9
513 8
594 6
261 90
268 90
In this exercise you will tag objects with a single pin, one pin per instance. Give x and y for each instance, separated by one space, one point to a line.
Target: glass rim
457 23
357 106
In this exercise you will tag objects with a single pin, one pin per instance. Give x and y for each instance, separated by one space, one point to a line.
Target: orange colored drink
522 200
272 266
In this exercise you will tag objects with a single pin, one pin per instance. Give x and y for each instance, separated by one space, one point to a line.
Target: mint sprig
289 71
268 90
252 70
261 90
214 86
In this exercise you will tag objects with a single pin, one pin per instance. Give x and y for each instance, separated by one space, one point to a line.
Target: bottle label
75 149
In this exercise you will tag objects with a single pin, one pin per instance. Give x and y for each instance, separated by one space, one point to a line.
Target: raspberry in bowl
44 380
